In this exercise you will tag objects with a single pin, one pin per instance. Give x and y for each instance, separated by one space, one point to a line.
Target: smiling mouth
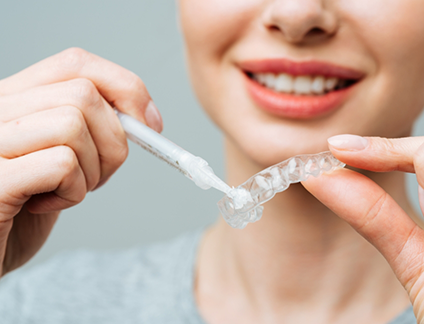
307 85
299 90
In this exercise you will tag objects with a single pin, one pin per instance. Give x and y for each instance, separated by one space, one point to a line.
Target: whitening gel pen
193 167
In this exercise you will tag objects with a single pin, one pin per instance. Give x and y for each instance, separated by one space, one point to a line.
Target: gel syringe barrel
193 167
154 142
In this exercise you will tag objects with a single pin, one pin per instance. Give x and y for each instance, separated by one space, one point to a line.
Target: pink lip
298 106
300 68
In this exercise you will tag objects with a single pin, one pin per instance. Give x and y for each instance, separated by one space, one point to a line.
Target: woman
279 77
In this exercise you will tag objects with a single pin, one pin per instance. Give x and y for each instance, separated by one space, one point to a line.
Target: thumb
378 154
382 155
376 216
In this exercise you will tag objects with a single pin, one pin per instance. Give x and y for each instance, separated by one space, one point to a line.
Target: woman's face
281 76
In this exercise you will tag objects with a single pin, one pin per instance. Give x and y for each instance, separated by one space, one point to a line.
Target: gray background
146 200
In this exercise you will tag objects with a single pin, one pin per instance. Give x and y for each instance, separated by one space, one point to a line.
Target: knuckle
114 159
66 159
136 85
121 154
80 196
85 92
77 197
73 121
73 58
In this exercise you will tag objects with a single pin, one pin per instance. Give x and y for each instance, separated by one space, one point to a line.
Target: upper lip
312 67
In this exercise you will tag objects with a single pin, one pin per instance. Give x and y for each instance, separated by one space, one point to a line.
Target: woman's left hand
371 211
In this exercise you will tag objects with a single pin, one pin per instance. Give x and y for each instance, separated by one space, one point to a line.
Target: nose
300 20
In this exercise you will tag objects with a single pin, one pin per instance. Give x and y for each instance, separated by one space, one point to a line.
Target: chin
271 144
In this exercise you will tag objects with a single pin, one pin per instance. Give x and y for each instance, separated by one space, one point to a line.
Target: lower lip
296 106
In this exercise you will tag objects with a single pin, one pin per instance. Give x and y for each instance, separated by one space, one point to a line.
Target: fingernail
348 142
153 117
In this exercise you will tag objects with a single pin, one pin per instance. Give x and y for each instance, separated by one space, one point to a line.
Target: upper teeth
303 84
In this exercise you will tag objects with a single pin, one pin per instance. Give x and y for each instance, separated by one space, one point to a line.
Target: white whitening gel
193 167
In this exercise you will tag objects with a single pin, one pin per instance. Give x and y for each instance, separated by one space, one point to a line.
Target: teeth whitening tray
241 205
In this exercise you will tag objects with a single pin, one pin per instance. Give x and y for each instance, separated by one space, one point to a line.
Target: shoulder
136 281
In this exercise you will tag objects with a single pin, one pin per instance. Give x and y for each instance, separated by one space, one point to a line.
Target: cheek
211 29
393 32
392 29
211 26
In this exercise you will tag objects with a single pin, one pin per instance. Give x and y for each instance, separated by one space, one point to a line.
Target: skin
303 255
353 34
350 256
379 218
59 140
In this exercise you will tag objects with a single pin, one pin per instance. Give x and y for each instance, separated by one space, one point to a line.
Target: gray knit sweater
153 285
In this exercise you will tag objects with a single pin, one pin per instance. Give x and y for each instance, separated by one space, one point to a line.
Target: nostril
312 35
316 31
274 28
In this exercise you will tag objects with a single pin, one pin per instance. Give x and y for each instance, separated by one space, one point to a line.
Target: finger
102 122
378 154
382 155
120 87
28 233
375 215
48 180
60 126
5 228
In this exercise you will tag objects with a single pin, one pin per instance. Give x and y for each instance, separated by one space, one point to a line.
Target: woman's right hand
59 139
